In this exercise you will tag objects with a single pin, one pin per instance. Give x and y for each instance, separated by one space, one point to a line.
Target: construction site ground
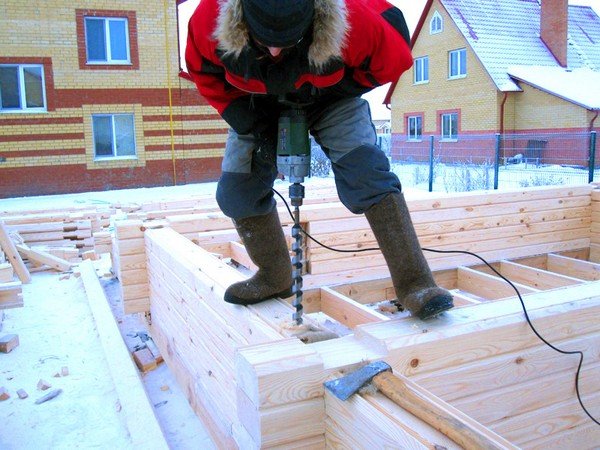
59 345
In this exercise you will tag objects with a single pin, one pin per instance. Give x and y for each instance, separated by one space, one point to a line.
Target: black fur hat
278 23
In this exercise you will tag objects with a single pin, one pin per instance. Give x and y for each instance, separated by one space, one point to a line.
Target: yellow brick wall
475 94
47 28
38 29
536 109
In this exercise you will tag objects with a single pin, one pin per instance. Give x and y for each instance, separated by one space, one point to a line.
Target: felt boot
267 248
412 278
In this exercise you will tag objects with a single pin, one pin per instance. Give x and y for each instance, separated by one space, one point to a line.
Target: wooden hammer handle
462 429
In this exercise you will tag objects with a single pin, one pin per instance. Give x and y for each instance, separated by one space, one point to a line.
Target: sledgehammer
462 429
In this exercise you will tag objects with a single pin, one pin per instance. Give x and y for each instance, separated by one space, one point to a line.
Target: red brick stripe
41 137
75 98
42 121
35 153
151 133
181 117
163 147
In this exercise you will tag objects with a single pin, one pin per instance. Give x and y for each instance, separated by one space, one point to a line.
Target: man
245 56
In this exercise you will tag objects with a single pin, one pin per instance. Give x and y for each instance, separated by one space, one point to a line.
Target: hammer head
344 387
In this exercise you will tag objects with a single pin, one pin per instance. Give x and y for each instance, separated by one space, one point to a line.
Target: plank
239 254
198 398
132 396
504 372
511 247
358 424
527 428
535 278
415 346
345 275
346 310
463 234
42 257
581 437
573 267
488 286
208 278
462 429
282 424
12 255
6 272
277 373
526 396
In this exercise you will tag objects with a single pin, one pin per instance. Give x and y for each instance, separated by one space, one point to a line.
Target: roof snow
580 86
505 33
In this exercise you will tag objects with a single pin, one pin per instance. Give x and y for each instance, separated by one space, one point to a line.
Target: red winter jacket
347 52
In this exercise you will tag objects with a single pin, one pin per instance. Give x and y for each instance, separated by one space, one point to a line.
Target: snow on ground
56 329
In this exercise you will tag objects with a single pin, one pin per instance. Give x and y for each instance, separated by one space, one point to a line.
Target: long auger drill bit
296 195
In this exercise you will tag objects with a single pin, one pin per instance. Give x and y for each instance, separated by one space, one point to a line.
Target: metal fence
494 161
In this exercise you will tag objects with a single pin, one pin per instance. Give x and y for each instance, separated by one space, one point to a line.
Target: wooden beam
42 257
347 311
356 423
505 372
12 255
573 267
488 286
499 323
239 254
462 429
535 278
144 433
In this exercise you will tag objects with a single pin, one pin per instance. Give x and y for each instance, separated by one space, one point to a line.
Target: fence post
497 160
592 163
431 164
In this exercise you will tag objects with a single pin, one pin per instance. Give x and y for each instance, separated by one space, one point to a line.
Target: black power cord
535 331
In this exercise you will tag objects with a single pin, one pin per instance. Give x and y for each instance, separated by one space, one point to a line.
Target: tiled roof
505 33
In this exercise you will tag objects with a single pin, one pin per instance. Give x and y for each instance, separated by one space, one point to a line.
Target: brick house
91 99
510 67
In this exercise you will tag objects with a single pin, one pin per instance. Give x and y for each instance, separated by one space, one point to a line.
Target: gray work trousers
345 132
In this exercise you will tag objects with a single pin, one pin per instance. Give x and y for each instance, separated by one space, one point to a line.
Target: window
449 126
421 70
436 25
457 63
415 128
114 135
107 40
22 88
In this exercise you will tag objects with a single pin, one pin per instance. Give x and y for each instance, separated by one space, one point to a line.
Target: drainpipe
502 121
170 91
592 133
593 120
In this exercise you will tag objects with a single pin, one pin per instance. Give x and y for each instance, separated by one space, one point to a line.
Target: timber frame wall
257 386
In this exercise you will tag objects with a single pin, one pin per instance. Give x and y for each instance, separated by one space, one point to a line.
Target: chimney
554 21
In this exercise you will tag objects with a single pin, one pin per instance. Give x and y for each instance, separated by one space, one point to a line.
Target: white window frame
461 54
114 155
419 63
22 93
436 20
109 59
416 137
447 136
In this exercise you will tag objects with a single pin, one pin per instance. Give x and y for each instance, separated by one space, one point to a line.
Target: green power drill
293 161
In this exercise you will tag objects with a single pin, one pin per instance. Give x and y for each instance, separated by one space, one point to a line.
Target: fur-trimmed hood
330 28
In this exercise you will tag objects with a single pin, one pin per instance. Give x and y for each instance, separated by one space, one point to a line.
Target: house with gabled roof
502 67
